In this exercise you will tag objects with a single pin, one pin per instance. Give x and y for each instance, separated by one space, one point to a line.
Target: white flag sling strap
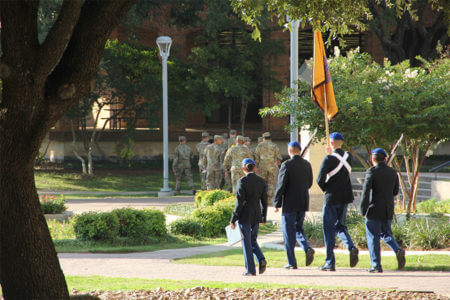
342 163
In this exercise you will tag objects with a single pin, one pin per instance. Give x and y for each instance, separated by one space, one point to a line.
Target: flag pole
325 111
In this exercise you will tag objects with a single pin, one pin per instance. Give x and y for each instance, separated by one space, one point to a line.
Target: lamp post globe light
164 43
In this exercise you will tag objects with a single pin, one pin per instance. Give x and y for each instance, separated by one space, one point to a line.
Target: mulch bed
285 293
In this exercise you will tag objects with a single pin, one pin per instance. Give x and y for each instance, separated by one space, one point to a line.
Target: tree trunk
74 149
40 82
244 106
230 106
29 264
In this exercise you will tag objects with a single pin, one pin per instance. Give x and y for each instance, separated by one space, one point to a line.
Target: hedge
207 198
124 222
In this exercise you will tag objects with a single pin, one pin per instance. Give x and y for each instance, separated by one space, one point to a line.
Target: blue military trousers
292 224
250 246
376 229
334 223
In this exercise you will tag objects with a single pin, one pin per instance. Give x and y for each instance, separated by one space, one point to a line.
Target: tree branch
59 35
74 76
19 24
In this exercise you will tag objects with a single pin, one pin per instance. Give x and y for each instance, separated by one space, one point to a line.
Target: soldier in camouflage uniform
248 144
182 164
201 150
233 160
232 140
212 160
260 139
268 158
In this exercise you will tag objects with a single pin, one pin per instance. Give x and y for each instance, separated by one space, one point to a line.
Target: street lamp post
164 43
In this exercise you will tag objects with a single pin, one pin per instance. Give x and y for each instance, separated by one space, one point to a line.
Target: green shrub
432 206
96 226
61 230
213 219
52 204
313 231
140 224
428 234
358 233
206 198
199 196
186 226
400 234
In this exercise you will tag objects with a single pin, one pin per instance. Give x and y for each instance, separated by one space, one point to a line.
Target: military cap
247 139
240 138
232 131
218 137
181 138
248 161
205 134
379 151
336 136
266 135
295 144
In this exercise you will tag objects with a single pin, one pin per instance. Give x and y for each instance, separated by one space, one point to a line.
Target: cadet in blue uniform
294 181
377 205
250 210
334 180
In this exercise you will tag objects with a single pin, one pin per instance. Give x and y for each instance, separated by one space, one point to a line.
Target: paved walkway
158 265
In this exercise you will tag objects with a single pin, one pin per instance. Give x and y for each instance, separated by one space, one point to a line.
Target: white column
294 73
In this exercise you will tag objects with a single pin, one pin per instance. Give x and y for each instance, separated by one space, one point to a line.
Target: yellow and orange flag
322 87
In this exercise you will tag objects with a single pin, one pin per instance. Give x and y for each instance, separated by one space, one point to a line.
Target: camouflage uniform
182 164
201 153
227 145
212 159
248 145
233 161
266 156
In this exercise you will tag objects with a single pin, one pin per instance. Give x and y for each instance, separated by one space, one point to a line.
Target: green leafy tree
343 16
227 64
377 104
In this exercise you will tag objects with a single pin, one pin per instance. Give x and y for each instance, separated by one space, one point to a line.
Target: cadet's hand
232 225
276 209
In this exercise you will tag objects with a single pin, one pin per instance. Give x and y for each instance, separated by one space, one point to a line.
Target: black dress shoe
248 274
309 256
354 257
327 267
375 270
401 261
289 267
262 266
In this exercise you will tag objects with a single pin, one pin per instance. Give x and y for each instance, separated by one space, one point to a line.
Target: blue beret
295 144
336 136
379 151
247 161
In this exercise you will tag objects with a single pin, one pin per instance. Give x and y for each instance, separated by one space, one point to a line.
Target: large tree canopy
389 19
42 77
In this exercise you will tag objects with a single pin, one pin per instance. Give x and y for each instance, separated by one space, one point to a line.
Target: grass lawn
106 182
171 242
277 259
91 283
